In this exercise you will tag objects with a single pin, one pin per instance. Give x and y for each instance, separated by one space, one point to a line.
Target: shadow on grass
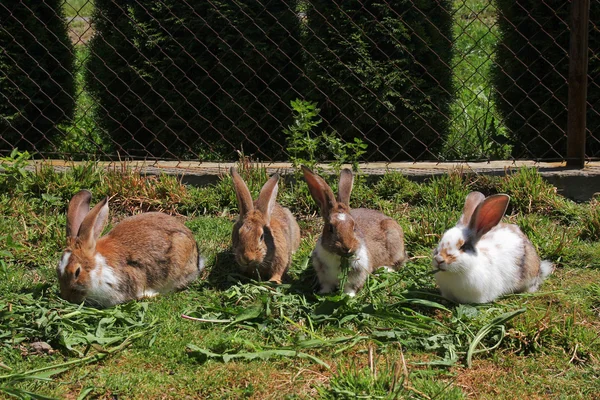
303 282
39 290
225 272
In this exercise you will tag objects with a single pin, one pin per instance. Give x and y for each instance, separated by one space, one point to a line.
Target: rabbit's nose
438 259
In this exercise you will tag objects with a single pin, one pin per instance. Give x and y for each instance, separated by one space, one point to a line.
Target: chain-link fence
273 79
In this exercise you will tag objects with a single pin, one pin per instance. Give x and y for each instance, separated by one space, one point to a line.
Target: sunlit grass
397 338
476 130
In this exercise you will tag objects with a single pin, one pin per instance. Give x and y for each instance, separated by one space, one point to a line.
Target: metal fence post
578 66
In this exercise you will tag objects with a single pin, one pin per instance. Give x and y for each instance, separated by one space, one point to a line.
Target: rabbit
265 235
481 259
367 237
142 256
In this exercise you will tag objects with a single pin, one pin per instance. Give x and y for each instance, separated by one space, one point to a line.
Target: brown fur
448 258
147 251
271 257
531 263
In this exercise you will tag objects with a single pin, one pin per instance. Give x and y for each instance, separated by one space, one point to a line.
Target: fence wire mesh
352 80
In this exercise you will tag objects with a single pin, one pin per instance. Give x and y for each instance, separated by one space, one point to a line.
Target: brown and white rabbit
369 238
266 234
481 259
142 256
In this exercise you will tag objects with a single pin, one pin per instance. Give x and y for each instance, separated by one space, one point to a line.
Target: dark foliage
180 78
36 73
531 75
382 70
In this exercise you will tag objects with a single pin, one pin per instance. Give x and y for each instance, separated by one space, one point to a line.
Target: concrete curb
576 184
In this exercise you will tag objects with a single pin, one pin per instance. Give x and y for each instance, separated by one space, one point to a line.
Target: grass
397 339
78 8
476 129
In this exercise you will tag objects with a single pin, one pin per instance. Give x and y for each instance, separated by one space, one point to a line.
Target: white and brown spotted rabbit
142 256
481 259
367 237
266 234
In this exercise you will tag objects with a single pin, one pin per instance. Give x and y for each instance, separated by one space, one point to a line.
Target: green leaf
204 354
84 392
496 322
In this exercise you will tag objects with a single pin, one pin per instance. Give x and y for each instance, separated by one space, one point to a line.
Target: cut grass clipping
89 334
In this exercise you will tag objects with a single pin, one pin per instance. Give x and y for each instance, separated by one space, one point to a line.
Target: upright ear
488 214
320 191
472 201
242 193
93 224
79 207
267 197
345 186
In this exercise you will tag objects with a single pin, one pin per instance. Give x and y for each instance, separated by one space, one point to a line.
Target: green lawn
396 339
476 128
78 8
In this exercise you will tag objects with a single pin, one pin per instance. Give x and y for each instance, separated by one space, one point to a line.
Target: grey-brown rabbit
369 238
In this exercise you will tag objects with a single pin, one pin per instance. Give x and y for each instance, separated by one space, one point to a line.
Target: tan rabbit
265 235
142 256
367 237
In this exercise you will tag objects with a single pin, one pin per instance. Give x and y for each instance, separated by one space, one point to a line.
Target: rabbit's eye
77 271
467 246
262 237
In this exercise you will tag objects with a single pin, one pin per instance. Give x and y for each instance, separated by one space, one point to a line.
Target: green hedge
186 78
381 69
531 72
36 74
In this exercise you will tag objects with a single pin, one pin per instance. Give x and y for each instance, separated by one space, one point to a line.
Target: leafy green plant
306 147
13 175
302 143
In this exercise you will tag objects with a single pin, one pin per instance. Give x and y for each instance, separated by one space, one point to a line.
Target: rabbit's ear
320 191
267 197
242 193
472 201
79 207
93 224
487 215
345 186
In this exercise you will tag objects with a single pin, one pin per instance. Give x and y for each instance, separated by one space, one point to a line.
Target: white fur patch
104 284
201 263
148 293
340 216
329 275
63 262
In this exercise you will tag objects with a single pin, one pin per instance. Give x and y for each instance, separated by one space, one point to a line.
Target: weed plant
396 339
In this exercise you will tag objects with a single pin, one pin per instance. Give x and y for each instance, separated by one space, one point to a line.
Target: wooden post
578 66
